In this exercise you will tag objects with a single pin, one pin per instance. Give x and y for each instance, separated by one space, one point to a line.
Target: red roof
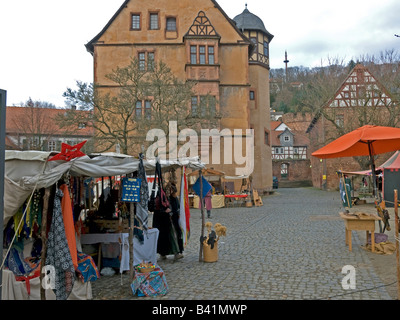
275 124
26 119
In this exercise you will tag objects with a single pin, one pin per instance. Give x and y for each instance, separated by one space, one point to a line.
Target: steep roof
348 94
249 21
90 45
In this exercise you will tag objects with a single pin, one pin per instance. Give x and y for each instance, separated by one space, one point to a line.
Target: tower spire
286 61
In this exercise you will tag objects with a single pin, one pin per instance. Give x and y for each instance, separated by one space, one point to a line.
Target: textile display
24 171
87 267
141 207
345 191
150 284
184 208
141 252
68 218
217 201
167 240
16 263
205 184
17 290
176 236
58 252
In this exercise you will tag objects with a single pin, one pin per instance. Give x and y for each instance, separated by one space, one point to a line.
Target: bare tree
371 103
35 125
141 99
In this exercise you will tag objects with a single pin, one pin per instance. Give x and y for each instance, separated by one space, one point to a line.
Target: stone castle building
227 58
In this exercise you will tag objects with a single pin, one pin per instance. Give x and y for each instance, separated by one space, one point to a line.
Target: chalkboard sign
130 189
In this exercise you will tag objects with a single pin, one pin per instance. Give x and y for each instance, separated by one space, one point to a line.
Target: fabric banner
184 215
205 184
345 192
141 208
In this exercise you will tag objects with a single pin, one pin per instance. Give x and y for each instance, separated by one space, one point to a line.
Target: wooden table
239 199
360 221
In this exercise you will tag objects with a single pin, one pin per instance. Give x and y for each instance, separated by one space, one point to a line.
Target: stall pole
3 95
132 225
396 221
202 215
43 236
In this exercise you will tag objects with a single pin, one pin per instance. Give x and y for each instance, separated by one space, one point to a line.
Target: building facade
227 58
361 99
290 155
30 128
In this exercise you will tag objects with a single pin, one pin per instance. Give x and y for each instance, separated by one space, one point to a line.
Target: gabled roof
349 94
299 138
90 45
286 131
278 126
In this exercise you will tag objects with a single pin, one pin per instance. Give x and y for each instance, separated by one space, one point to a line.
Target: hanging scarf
141 208
58 254
66 208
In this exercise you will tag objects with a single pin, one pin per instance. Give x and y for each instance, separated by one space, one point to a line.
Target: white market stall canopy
26 171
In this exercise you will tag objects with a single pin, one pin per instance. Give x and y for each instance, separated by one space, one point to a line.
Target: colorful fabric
184 208
69 225
150 284
58 254
34 274
16 262
87 267
142 206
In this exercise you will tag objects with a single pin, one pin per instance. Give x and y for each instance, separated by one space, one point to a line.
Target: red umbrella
368 140
365 141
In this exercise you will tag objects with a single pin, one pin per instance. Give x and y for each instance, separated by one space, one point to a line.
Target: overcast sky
42 42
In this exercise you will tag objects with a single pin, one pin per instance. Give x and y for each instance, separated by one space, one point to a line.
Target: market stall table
237 198
146 251
217 201
150 284
360 221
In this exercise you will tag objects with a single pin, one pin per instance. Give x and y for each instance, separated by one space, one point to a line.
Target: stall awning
29 170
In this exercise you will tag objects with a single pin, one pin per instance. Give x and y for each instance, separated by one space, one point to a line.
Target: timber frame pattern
202 27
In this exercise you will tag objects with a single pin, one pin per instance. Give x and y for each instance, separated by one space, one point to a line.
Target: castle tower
259 104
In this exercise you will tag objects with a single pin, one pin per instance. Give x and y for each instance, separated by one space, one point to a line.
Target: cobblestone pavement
291 248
